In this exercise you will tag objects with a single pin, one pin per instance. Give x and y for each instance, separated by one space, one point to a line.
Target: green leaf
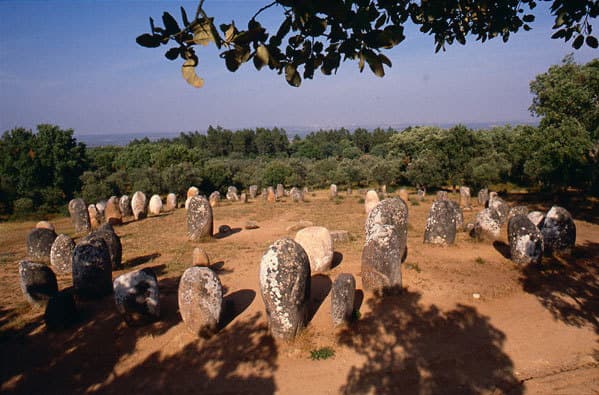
292 76
170 24
148 40
189 74
591 41
172 53
578 41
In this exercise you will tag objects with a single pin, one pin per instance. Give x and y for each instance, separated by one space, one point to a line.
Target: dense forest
41 171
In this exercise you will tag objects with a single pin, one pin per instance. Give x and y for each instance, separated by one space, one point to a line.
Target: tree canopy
319 35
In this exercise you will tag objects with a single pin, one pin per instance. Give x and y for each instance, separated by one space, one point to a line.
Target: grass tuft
322 353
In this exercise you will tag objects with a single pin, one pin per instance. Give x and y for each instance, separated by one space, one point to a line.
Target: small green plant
480 261
414 202
413 266
322 353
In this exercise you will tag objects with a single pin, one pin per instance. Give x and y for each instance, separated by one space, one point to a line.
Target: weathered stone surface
125 206
272 196
92 269
199 219
559 231
537 218
232 194
138 205
38 282
61 311
300 225
39 244
421 194
501 208
371 200
440 225
393 212
113 243
200 300
253 190
137 296
285 287
333 191
318 244
101 207
191 192
79 215
486 225
215 199
382 257
280 191
458 215
95 217
404 195
517 210
296 195
61 254
251 225
342 298
464 197
442 195
526 240
483 197
171 202
45 225
340 236
155 206
199 257
112 213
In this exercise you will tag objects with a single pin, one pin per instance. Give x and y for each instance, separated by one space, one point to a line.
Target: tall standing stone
440 225
526 240
138 205
125 206
285 287
79 215
253 191
333 191
483 197
112 213
458 215
137 296
92 269
61 254
382 258
394 212
559 231
465 197
171 202
214 199
200 300
280 191
318 244
113 243
243 197
38 282
95 217
199 219
272 196
232 194
342 298
296 195
39 244
155 206
371 200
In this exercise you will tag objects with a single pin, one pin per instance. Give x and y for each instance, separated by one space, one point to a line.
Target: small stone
92 268
224 229
137 297
61 311
476 295
38 282
340 236
251 225
155 206
371 200
342 298
300 225
318 244
171 202
79 215
45 225
61 254
112 213
333 191
199 219
199 257
138 205
200 300
39 244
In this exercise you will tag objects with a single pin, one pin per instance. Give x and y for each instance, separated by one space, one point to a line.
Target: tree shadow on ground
414 349
140 260
320 286
230 232
234 304
580 205
567 286
503 249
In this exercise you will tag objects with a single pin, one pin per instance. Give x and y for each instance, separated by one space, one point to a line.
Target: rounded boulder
318 244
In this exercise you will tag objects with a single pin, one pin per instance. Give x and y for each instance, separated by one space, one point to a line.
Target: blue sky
76 64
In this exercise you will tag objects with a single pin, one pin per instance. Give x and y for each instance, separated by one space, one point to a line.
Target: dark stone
61 254
394 212
285 287
559 231
342 298
137 296
113 242
92 268
526 240
38 282
224 229
79 215
61 311
440 226
39 244
199 219
517 210
382 258
200 300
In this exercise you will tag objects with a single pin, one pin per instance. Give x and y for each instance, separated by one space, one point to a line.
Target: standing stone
38 282
285 287
92 269
79 215
296 195
384 189
458 215
404 195
440 226
253 191
243 197
45 225
517 210
61 254
382 258
214 199
264 194
171 202
232 194
421 194
113 243
125 206
442 195
537 218
199 257
61 311
526 240
483 197
39 244
137 297
392 212
305 190
94 216
559 231
199 219
191 192
342 298
486 225
318 244
113 212
465 197
333 191
349 191
101 207
155 206
272 196
280 191
138 205
200 300
501 208
371 200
